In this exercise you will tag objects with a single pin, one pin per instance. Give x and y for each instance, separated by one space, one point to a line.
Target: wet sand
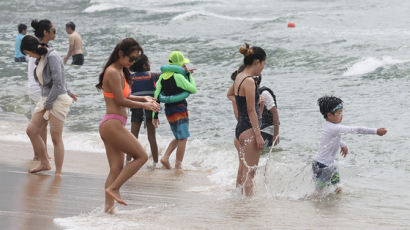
33 201
169 199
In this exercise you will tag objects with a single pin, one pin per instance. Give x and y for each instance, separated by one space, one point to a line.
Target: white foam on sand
371 64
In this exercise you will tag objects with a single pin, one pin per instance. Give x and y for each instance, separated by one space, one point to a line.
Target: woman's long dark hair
32 44
127 46
40 26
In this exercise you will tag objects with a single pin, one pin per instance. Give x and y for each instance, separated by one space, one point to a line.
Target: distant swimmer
18 55
114 81
172 83
248 141
325 172
75 48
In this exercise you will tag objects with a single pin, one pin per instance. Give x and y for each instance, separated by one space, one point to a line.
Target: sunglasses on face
132 59
53 30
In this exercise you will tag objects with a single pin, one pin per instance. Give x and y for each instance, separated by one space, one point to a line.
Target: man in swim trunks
75 48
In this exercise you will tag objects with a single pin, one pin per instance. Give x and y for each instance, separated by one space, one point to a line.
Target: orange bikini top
125 91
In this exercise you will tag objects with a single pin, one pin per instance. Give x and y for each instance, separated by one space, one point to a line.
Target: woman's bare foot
115 195
178 165
109 207
37 158
165 163
40 168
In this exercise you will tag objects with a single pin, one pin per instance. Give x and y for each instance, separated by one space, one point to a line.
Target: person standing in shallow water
248 141
53 106
75 48
171 83
18 55
143 84
114 81
325 172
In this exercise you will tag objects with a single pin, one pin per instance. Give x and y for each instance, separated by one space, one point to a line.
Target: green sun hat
177 58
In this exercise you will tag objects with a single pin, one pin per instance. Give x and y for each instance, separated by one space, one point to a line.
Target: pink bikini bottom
113 116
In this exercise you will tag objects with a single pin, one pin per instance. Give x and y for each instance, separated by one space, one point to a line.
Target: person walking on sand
249 141
75 48
143 84
171 83
114 81
45 32
54 104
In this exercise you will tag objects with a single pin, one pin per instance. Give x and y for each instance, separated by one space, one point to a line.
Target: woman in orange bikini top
117 139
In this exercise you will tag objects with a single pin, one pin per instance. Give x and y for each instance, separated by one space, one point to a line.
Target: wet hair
40 26
329 104
32 44
236 72
251 54
138 65
21 28
127 46
70 25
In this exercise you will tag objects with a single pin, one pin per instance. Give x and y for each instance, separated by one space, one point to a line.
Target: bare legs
35 130
135 129
56 132
117 141
34 133
249 155
180 145
44 137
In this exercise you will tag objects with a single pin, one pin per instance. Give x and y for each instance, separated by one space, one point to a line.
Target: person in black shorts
143 84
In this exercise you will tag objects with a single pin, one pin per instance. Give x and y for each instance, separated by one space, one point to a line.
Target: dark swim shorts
78 59
139 115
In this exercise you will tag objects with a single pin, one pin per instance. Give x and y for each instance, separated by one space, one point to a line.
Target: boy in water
18 55
324 171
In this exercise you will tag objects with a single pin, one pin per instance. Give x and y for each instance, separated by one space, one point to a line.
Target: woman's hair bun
35 24
246 50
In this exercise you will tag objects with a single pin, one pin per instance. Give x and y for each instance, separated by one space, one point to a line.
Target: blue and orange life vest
143 83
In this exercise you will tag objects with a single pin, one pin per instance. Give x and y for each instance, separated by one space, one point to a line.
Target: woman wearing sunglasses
114 82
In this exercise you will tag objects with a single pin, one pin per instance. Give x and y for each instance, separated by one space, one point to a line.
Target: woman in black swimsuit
245 97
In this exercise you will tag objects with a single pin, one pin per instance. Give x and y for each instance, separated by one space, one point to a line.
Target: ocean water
357 50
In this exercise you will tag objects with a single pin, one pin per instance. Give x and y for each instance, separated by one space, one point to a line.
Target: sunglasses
132 59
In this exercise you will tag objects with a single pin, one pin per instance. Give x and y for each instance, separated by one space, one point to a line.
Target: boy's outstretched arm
381 131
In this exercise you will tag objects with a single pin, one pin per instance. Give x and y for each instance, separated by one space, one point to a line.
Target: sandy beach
161 198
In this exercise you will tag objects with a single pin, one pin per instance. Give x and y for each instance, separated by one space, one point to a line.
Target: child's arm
184 84
231 96
344 129
158 89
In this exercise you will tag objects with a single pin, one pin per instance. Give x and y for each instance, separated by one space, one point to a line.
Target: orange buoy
291 25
